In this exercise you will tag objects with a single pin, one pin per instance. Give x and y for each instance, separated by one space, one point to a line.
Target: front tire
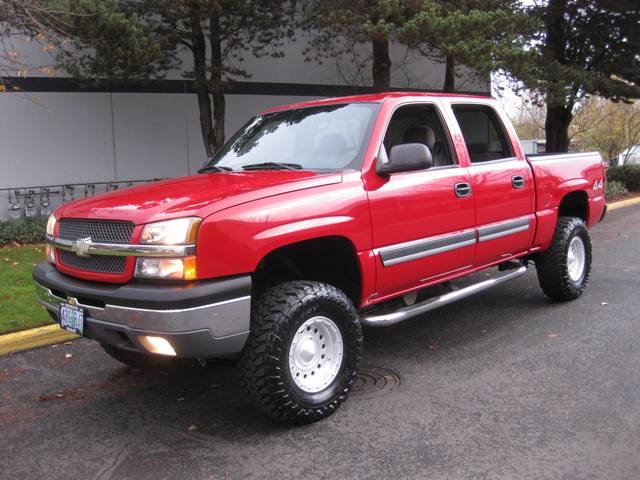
303 351
564 269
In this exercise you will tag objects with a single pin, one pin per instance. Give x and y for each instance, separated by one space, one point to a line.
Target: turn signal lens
51 224
157 345
167 268
190 271
49 252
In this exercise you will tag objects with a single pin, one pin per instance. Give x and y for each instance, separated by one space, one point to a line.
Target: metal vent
95 263
108 231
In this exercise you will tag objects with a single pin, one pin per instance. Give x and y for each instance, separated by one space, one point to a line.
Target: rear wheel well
574 204
329 260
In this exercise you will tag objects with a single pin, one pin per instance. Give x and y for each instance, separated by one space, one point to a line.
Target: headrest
419 134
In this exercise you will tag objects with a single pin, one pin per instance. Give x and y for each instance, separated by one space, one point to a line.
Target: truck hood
197 195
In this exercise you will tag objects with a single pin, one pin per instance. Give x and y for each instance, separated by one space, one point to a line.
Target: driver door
423 221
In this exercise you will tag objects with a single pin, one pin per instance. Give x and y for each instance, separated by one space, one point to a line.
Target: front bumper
207 318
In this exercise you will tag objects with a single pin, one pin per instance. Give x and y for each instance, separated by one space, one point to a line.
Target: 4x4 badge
81 247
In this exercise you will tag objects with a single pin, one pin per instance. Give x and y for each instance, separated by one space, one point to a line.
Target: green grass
19 308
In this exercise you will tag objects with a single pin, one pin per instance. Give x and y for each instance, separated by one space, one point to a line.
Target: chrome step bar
405 313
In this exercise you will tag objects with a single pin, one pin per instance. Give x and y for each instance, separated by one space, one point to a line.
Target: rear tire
138 360
303 351
564 269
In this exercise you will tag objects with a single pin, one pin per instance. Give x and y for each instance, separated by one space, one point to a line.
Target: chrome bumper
210 330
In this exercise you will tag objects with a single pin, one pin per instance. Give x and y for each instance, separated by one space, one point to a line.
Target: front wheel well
575 204
330 260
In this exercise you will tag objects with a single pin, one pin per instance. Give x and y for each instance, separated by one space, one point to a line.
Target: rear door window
483 133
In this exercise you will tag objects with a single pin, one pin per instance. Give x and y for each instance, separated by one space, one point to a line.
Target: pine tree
585 47
336 25
485 35
482 34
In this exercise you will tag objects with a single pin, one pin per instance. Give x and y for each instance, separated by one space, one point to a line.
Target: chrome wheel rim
315 354
576 259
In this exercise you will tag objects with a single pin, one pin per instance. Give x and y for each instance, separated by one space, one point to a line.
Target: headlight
167 268
51 224
181 231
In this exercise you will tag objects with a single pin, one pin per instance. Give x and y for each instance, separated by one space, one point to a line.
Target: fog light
49 252
157 345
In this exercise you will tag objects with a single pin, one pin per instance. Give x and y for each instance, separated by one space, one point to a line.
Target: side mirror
405 158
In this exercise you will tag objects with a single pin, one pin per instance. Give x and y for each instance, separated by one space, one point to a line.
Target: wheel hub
307 351
576 259
315 354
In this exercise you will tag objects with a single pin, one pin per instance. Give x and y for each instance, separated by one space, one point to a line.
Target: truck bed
558 174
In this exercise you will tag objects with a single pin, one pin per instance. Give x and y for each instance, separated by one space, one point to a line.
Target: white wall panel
150 135
51 138
197 154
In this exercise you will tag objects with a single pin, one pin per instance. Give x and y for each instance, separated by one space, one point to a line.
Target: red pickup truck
313 221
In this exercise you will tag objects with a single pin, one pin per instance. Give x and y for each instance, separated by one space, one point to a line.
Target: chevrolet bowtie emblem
81 247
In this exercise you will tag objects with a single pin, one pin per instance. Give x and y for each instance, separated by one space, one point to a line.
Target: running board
405 313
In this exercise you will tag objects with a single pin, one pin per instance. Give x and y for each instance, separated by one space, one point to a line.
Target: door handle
517 181
462 189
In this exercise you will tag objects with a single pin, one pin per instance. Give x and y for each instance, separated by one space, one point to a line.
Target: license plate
71 318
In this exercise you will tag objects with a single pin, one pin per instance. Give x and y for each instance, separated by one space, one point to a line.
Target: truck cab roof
378 98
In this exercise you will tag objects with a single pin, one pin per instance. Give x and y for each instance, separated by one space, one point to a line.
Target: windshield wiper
215 168
272 166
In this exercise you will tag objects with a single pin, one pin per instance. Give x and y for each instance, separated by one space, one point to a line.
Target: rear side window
483 133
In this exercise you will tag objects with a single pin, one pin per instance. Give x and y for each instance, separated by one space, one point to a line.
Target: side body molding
425 247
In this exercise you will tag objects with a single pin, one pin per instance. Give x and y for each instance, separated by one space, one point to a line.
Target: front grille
94 263
104 231
107 231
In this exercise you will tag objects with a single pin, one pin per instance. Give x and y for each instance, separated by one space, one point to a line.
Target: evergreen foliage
584 47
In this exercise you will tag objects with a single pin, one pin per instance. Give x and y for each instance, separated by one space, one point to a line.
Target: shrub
25 230
629 175
615 189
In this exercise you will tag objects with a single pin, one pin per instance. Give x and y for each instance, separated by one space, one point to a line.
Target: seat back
427 136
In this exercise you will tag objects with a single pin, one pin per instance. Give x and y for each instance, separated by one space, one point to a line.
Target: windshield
329 137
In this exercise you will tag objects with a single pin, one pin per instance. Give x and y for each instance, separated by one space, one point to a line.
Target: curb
33 338
51 334
623 203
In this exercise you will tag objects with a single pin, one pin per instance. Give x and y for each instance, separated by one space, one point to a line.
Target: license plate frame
71 318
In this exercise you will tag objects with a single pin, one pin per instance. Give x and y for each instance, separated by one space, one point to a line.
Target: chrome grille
108 231
94 263
105 231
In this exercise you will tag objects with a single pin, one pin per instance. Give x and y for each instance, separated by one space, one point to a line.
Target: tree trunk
559 103
381 63
556 127
449 75
199 51
215 80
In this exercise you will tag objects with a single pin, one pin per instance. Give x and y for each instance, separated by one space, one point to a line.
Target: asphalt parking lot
503 385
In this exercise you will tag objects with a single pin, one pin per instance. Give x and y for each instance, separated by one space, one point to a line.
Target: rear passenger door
502 185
